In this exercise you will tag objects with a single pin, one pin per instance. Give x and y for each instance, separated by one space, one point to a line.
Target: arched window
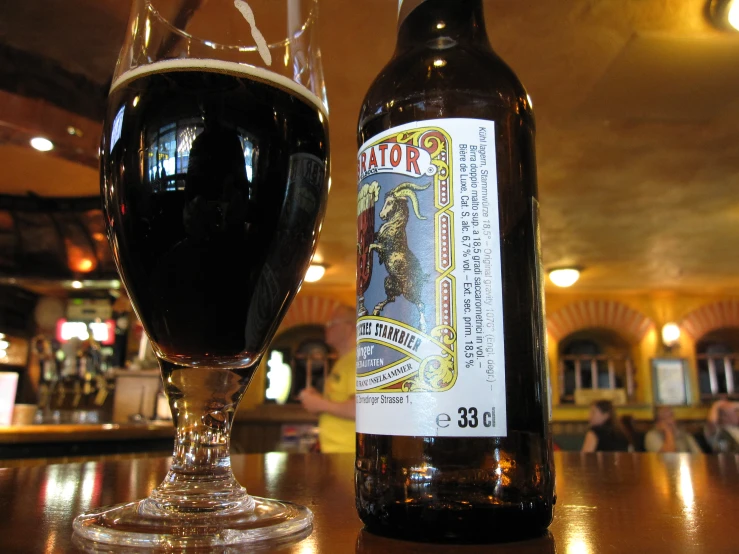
594 359
717 354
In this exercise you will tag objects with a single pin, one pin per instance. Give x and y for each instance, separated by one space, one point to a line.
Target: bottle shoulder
431 83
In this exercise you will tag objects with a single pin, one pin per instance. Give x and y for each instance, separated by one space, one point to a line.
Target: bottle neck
441 21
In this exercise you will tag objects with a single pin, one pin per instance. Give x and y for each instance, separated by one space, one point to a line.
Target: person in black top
605 434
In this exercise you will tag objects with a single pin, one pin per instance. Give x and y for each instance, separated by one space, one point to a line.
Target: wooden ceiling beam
33 76
75 137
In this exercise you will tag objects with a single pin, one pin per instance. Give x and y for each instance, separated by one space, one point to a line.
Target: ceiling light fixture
564 276
315 272
724 14
42 144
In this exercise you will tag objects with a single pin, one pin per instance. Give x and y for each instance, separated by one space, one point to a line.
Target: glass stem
203 402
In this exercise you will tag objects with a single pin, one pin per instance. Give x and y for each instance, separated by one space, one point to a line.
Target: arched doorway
299 355
296 359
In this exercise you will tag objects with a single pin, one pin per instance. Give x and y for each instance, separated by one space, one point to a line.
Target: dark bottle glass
484 488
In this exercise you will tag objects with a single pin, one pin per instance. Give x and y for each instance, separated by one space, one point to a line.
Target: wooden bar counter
48 441
84 432
255 430
631 503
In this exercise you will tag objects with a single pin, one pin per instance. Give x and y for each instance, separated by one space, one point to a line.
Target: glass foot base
256 521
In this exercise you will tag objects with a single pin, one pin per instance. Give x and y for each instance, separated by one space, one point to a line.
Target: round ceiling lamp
42 144
564 276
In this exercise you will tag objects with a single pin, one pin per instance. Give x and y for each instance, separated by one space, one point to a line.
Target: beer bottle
452 392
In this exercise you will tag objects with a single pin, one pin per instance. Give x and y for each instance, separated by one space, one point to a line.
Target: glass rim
310 19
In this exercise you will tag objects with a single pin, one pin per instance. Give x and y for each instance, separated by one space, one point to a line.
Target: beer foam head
230 68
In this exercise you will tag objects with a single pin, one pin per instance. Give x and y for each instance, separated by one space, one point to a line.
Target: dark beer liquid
214 182
468 489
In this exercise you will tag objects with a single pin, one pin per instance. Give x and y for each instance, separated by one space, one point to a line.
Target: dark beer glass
214 170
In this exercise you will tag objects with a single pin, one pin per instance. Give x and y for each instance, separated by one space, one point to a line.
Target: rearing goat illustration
405 276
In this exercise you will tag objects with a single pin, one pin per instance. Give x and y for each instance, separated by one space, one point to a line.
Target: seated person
605 434
667 436
722 427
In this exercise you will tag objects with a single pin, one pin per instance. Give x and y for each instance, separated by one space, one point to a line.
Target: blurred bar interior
638 111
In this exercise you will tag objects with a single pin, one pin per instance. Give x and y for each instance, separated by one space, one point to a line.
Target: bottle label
430 357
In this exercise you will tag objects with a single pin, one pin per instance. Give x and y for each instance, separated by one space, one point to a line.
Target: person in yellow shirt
337 407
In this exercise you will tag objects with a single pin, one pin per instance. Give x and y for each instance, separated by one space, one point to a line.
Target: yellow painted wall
661 308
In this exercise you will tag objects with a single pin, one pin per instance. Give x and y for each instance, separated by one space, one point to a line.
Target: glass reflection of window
168 154
185 138
249 155
115 132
